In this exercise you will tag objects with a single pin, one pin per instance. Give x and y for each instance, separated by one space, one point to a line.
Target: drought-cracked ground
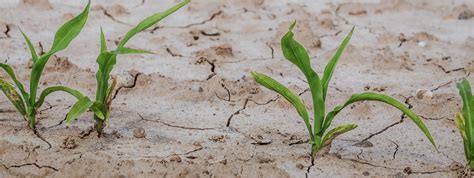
192 110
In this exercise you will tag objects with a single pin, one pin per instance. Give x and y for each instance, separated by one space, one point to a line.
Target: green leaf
297 54
13 96
106 62
125 50
50 90
79 108
467 111
329 70
336 132
272 84
18 84
69 31
150 21
34 55
459 121
99 110
382 98
103 42
63 37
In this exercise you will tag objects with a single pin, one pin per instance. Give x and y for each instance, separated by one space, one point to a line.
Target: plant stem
99 125
32 121
314 150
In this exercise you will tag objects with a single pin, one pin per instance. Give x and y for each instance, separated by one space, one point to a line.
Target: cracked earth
192 109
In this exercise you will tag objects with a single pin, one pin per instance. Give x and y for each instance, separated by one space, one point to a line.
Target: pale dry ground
202 113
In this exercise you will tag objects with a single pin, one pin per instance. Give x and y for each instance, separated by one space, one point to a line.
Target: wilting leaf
13 96
18 84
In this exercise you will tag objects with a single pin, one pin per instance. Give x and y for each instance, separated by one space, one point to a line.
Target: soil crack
175 126
31 164
212 17
237 112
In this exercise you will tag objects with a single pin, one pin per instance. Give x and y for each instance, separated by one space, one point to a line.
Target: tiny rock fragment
327 23
139 132
422 44
41 4
424 94
260 140
364 144
454 166
175 158
408 170
300 166
69 143
465 15
224 50
358 12
365 173
217 138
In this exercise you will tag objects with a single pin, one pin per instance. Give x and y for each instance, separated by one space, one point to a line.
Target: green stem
471 165
32 121
99 126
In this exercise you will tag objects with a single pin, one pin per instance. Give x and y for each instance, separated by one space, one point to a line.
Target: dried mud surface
191 109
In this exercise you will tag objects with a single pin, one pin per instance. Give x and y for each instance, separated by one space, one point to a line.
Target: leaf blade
50 90
34 55
273 85
69 30
329 69
125 50
18 84
339 130
150 21
78 108
369 96
13 96
467 110
298 55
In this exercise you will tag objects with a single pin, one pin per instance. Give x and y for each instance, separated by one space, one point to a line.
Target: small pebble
424 93
465 15
422 44
139 132
175 158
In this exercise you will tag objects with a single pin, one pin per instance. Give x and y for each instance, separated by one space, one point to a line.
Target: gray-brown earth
191 109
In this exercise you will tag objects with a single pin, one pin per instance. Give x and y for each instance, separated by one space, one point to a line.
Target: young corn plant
28 103
106 61
465 121
320 137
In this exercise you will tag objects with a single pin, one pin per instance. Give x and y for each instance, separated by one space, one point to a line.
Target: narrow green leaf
467 110
62 39
385 99
103 42
34 55
336 132
125 50
272 84
18 84
150 21
297 54
329 70
459 121
79 108
50 90
99 110
69 31
13 96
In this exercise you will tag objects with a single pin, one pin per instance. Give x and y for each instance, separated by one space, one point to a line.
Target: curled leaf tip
292 25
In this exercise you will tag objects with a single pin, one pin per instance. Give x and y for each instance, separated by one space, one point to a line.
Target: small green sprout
465 121
106 60
319 138
27 103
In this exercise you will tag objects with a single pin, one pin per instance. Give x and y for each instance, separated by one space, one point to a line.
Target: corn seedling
28 103
319 138
106 60
465 120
